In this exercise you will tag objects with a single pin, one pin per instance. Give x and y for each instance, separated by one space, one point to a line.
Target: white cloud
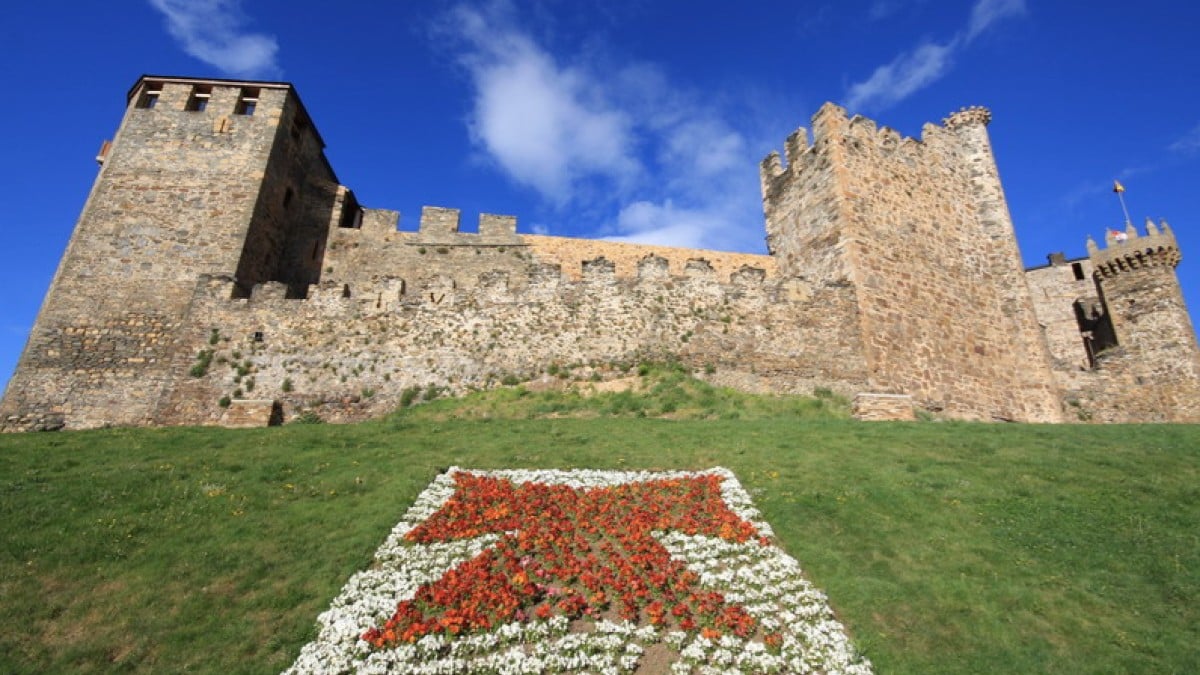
211 31
987 12
897 80
545 124
928 62
1187 144
647 161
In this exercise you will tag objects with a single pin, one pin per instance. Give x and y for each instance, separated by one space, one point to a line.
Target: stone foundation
883 407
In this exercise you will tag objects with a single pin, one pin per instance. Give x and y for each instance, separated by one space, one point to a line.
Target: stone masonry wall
1056 289
179 194
171 201
904 218
354 355
218 259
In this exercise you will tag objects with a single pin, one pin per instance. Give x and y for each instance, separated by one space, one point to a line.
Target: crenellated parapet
219 259
1130 250
832 123
439 227
966 117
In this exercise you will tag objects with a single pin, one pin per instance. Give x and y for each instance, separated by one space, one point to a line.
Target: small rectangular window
198 101
299 126
1077 268
149 97
247 101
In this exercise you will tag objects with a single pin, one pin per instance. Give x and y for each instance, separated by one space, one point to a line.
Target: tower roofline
227 82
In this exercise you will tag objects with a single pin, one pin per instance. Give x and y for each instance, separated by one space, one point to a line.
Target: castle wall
1153 372
300 199
219 258
1056 290
180 193
353 356
917 228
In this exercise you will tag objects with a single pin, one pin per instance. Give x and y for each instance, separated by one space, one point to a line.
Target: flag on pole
1117 187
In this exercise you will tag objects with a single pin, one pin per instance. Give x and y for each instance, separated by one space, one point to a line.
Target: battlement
965 117
1129 250
217 235
652 271
832 123
439 227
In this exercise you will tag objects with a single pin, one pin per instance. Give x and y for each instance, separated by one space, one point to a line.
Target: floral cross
572 552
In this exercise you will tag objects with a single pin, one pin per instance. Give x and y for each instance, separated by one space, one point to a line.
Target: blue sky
636 120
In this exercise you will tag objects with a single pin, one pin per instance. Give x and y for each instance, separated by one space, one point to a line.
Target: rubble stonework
219 266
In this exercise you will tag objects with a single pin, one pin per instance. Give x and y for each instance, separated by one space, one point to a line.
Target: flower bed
580 571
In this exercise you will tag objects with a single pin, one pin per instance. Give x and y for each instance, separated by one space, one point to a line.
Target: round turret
968 117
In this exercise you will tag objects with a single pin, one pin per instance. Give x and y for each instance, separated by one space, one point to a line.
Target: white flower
764 580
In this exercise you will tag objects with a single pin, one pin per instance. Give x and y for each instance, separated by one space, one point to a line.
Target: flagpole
1120 190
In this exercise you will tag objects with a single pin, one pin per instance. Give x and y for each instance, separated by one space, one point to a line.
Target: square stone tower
204 176
921 231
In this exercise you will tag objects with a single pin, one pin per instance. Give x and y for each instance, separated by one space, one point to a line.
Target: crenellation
268 291
437 221
599 270
699 268
495 227
379 223
795 146
829 123
967 117
747 276
221 273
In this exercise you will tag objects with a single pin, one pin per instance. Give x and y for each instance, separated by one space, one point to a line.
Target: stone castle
220 273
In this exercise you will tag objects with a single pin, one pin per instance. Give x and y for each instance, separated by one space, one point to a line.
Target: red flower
590 544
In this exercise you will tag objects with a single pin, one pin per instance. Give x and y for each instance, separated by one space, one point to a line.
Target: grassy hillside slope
944 547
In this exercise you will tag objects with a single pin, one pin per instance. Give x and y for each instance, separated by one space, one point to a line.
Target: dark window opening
247 102
258 336
149 97
1077 268
351 213
287 197
299 125
1095 327
198 101
345 290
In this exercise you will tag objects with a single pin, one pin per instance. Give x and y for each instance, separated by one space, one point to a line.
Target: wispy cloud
906 74
987 12
927 62
654 163
212 31
884 9
1189 143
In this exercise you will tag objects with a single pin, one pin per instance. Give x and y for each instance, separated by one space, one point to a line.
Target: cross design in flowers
573 552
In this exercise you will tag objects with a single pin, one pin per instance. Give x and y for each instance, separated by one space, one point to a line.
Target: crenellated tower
921 231
203 177
219 273
1156 361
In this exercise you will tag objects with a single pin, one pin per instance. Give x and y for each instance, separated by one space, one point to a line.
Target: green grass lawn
944 547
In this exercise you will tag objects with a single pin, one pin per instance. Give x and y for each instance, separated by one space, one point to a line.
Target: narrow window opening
351 213
1077 268
287 197
198 101
258 336
345 290
247 101
298 126
149 97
